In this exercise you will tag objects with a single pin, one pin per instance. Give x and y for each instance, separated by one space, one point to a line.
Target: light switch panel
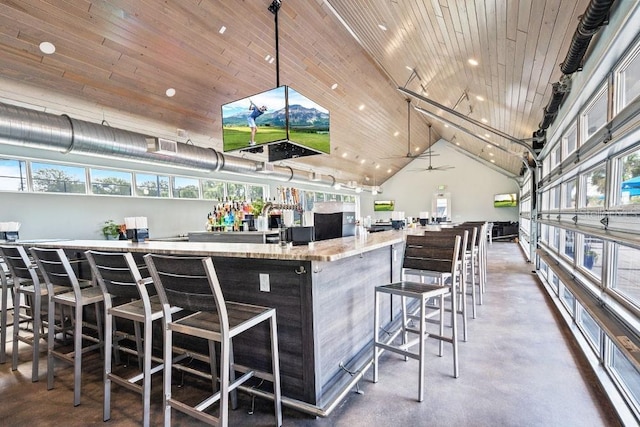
264 283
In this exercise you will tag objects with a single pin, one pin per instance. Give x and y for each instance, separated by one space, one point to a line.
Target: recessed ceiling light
170 92
479 98
361 107
388 170
344 154
334 86
268 57
491 154
446 125
417 149
483 120
493 161
408 68
382 27
473 62
271 60
377 166
362 161
47 48
222 29
396 133
489 146
457 143
486 135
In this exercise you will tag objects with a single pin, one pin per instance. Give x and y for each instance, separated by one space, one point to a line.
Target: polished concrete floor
518 368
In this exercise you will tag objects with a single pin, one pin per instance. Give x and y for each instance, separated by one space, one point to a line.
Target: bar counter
323 296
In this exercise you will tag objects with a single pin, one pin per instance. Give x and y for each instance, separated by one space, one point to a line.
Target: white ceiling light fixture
268 57
222 29
483 120
334 86
382 27
361 107
479 98
47 48
170 92
396 133
473 62
344 154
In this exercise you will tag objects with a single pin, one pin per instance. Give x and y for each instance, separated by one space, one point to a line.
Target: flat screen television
506 200
292 125
383 205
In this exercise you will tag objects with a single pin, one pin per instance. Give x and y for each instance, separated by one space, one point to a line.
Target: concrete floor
518 368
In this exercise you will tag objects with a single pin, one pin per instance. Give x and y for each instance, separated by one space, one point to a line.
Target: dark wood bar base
324 308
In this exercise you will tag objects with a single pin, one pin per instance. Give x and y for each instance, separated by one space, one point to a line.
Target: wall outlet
264 283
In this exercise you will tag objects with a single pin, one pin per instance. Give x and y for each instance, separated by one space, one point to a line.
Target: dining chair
192 284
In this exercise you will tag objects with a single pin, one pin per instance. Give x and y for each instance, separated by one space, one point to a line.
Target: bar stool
57 271
445 235
26 282
480 253
192 284
6 284
440 257
127 296
470 254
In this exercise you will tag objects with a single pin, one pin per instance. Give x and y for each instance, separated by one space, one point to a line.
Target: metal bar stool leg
275 368
423 332
376 332
108 348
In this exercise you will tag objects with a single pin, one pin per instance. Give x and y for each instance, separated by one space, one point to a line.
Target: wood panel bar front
322 293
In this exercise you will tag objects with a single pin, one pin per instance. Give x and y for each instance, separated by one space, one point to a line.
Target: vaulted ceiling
350 56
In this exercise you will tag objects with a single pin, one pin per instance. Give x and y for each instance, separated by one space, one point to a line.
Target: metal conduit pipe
36 129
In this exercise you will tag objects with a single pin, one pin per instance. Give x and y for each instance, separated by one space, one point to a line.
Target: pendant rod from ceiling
470 120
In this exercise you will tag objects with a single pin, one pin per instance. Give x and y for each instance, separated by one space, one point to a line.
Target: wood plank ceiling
124 54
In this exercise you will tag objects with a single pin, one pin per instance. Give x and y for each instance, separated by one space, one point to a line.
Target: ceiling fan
429 154
409 155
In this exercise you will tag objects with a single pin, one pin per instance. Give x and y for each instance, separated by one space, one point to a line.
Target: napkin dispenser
137 229
9 231
9 236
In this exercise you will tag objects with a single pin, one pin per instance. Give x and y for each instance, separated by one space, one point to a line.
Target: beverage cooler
334 219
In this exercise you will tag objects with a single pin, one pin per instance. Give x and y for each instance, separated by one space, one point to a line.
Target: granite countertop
326 250
236 232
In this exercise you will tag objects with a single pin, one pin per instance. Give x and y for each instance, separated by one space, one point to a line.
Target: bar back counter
323 294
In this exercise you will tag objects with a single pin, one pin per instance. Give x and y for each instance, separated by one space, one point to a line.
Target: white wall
471 184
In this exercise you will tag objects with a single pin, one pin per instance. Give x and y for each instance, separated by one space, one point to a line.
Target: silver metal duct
35 129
